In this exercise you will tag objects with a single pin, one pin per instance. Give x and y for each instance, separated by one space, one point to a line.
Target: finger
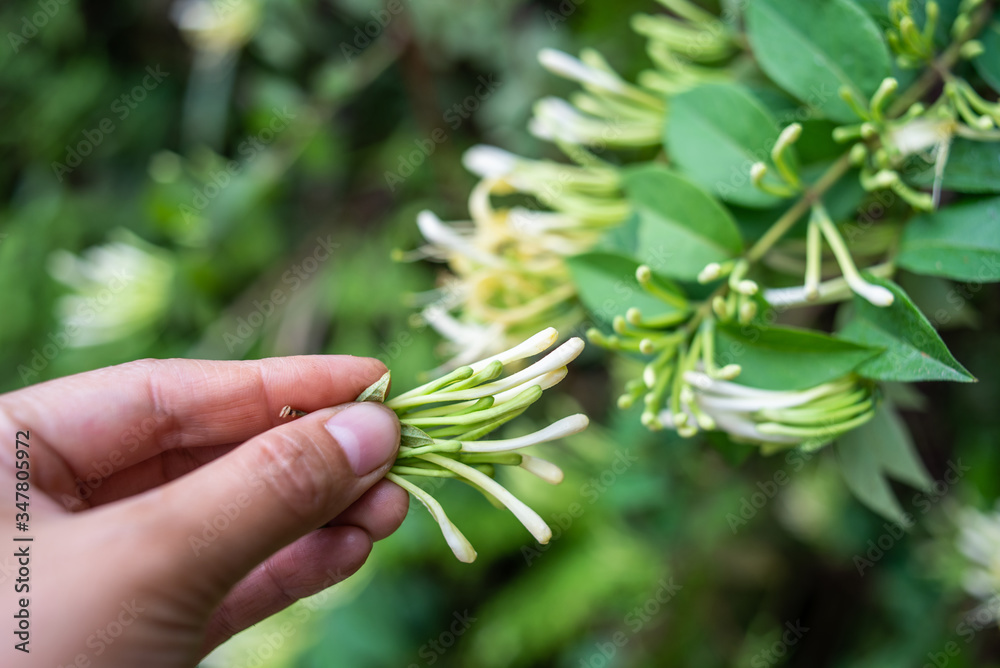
94 490
379 511
304 568
115 417
226 517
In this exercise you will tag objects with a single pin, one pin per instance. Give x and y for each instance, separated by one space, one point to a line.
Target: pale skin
171 507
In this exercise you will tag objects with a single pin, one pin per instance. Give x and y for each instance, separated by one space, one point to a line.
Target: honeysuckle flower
215 27
443 423
119 289
809 418
979 542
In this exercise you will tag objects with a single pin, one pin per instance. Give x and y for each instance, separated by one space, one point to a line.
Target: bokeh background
229 180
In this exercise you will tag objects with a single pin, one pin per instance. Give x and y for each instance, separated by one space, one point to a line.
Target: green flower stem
425 472
437 446
480 431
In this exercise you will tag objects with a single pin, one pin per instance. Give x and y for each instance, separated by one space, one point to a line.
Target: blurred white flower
979 542
119 289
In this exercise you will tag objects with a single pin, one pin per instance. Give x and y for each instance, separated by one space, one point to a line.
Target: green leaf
960 242
681 227
988 62
780 358
715 133
912 349
972 167
879 448
413 437
813 47
607 286
377 390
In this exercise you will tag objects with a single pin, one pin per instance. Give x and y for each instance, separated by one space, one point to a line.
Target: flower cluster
118 289
444 422
511 277
684 389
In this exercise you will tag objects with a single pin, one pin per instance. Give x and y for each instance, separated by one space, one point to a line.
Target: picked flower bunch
741 219
444 422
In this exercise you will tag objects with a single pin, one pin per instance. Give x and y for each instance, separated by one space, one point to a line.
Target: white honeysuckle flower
542 468
459 544
567 426
119 289
216 27
525 515
447 237
556 119
875 294
562 64
470 340
530 347
979 541
489 161
920 134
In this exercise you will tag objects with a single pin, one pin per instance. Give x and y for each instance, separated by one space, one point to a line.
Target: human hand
171 508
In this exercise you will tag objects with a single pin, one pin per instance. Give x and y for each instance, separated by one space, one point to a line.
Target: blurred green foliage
648 567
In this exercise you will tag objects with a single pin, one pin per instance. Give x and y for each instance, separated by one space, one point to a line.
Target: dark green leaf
681 227
715 133
779 358
972 167
879 448
988 63
960 242
813 47
912 349
607 286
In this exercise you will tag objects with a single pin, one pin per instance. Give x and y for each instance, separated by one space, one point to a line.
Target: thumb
231 514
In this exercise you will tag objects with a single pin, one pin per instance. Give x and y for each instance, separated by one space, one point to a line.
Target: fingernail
367 434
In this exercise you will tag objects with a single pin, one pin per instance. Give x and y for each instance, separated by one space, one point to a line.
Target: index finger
134 411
